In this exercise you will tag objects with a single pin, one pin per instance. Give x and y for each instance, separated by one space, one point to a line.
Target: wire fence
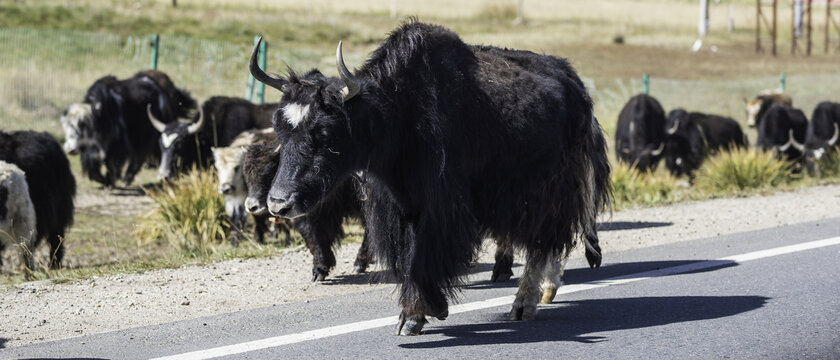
45 70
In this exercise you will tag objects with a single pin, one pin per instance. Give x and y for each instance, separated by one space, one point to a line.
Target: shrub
634 188
190 215
742 170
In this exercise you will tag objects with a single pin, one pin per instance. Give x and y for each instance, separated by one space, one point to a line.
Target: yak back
227 117
821 128
52 186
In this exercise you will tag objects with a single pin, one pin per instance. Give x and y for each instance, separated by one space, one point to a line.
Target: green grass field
52 50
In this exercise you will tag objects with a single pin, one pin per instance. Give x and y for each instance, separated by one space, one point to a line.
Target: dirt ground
43 311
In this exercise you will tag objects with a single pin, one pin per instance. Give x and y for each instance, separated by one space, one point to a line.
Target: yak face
259 167
175 137
817 148
228 163
314 128
77 123
753 108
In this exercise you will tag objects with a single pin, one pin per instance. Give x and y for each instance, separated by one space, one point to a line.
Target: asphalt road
768 294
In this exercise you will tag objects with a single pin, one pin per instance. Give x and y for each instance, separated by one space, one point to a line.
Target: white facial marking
819 153
168 139
295 113
678 161
752 111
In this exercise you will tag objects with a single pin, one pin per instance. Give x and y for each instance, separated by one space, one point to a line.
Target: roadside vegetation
52 50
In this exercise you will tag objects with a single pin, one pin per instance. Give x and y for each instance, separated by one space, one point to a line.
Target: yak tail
185 104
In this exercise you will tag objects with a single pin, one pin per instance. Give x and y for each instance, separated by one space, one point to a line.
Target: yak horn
273 81
798 146
159 125
784 147
833 139
674 128
196 126
351 85
659 150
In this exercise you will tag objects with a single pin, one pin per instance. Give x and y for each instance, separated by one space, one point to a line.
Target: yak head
259 166
175 138
228 164
77 123
313 122
816 148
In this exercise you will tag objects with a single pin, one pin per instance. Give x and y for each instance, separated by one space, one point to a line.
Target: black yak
822 135
219 121
51 184
758 106
110 127
782 128
321 229
457 143
640 132
693 136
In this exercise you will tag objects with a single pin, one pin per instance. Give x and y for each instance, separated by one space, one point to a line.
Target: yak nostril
277 200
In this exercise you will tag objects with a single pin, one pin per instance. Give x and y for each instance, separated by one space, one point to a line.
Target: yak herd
432 145
644 134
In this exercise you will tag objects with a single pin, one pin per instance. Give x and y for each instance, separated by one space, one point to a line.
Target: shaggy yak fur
219 122
112 126
693 136
640 133
51 184
822 135
457 143
782 128
321 228
17 214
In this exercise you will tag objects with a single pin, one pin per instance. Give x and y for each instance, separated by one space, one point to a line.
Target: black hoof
318 277
359 269
594 259
410 326
500 276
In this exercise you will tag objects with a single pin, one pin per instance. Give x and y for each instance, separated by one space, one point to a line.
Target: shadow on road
582 275
585 321
3 342
630 225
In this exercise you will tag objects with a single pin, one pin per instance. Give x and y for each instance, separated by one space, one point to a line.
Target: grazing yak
321 228
822 135
17 214
228 164
640 133
220 119
51 184
758 106
782 128
691 136
110 126
457 143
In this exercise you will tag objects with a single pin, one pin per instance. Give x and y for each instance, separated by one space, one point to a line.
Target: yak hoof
318 277
359 269
523 312
410 326
548 295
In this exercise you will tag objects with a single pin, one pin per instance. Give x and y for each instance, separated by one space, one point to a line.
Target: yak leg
419 300
318 239
134 166
25 234
553 278
502 270
259 228
363 257
525 305
593 250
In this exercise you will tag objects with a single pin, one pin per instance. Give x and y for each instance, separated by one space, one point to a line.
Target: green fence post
249 90
783 81
155 44
261 86
646 82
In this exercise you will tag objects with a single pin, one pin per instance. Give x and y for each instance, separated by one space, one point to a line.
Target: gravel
42 311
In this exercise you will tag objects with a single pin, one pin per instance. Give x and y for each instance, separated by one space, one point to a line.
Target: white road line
496 302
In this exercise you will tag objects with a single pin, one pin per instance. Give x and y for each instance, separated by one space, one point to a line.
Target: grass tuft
190 215
742 170
632 188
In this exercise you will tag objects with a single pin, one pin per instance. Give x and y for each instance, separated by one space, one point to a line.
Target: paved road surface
768 294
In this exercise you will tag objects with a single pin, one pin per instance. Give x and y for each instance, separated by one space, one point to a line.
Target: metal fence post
155 44
646 83
261 86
